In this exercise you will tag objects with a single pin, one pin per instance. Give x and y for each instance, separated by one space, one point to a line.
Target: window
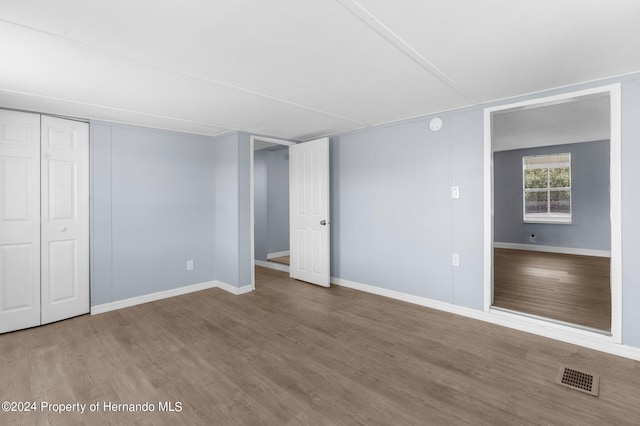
546 186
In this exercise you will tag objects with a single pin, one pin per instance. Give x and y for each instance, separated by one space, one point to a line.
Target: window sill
549 222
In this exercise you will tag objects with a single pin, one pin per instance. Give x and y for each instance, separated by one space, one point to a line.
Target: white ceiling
300 69
259 144
582 119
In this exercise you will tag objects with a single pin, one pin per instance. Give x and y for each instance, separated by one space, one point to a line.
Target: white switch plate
455 192
190 265
455 259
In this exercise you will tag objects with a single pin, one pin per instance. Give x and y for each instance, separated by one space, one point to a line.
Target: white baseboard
238 291
405 297
272 265
138 300
277 254
559 332
552 249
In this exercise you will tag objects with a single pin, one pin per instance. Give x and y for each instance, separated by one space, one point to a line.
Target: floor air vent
578 380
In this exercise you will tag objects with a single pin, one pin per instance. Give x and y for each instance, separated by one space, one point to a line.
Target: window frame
548 217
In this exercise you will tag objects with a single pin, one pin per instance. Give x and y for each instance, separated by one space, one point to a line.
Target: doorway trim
560 331
252 140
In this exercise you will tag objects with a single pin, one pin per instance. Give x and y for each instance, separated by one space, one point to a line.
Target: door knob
323 222
62 229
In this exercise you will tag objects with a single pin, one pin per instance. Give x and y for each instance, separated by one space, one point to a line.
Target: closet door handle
62 229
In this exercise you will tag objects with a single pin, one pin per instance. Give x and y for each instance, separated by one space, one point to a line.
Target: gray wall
157 198
153 208
630 209
271 201
245 262
227 224
590 227
232 215
394 224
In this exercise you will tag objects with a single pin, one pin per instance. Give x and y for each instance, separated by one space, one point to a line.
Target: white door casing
562 332
65 219
309 211
19 220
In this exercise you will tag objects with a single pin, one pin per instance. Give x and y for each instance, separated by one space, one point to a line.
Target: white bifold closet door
19 220
65 219
44 219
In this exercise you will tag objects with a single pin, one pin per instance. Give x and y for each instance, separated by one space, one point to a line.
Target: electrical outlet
532 238
455 259
190 265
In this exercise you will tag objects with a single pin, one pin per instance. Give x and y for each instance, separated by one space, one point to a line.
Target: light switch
455 192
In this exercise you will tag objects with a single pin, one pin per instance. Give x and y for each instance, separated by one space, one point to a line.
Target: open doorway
555 211
270 203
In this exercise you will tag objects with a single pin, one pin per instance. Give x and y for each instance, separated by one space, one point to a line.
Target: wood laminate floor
569 288
292 353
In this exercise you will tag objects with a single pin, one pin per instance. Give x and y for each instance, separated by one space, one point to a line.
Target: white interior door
65 219
19 220
309 211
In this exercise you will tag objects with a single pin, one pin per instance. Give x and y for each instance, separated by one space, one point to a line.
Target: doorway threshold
553 321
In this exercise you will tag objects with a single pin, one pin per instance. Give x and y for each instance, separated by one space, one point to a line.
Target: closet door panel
19 220
65 219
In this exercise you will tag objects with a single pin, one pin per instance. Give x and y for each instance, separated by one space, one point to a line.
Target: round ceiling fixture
435 124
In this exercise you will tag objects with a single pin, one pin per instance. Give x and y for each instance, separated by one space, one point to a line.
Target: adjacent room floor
293 353
564 287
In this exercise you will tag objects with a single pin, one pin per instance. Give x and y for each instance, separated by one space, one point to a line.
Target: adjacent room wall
260 221
590 227
153 209
278 199
271 201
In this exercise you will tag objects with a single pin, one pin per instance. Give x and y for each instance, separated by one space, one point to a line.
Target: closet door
19 220
65 219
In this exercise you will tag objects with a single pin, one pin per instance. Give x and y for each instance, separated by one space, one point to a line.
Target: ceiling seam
385 32
187 74
164 117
